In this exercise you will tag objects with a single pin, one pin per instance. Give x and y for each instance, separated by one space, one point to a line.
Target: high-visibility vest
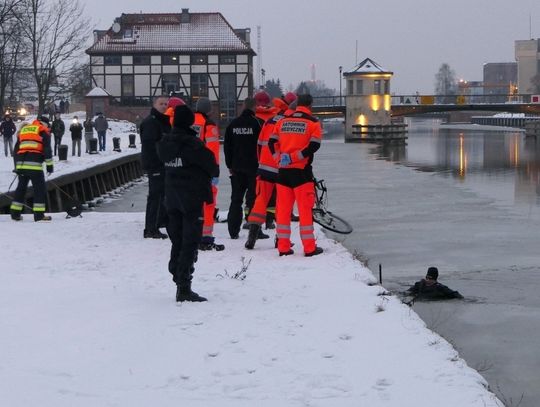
30 139
208 132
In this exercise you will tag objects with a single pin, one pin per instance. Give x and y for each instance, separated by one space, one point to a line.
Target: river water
466 200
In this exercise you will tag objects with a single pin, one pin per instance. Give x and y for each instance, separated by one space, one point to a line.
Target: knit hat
262 98
44 120
289 97
433 272
203 105
183 117
174 101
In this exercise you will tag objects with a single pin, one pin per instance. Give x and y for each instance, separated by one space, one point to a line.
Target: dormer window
128 33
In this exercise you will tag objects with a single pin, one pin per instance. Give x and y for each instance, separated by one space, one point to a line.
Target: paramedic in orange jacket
264 109
299 137
266 173
208 132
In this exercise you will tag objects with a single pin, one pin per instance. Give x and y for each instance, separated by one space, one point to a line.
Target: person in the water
430 289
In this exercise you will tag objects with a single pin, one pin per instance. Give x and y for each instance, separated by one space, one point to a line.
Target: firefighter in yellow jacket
33 147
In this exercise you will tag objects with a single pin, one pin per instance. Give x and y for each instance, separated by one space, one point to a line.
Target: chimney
184 17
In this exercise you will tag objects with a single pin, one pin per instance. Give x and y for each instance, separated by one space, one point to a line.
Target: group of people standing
268 148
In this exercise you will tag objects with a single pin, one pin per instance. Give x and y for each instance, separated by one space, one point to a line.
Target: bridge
410 105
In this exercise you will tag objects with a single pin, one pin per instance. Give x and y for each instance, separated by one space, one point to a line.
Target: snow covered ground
118 128
88 318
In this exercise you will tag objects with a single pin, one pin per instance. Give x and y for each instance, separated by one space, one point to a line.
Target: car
16 113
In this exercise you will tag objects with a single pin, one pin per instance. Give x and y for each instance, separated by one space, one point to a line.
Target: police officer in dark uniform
152 128
240 148
189 169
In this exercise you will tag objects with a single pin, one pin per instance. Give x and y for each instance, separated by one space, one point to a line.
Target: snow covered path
88 318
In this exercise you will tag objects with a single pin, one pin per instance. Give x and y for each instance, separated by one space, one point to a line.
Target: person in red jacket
264 109
299 137
171 104
207 131
266 173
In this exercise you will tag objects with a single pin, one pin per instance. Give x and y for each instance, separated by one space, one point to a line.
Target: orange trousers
264 192
304 195
209 209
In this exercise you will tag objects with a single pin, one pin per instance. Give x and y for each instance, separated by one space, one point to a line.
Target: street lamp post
340 81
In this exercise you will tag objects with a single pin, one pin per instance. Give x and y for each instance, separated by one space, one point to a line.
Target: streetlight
340 70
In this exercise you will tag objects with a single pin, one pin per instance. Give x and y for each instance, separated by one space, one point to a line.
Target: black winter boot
318 250
185 294
254 230
269 224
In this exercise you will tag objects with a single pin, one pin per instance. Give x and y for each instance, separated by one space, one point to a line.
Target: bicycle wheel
331 221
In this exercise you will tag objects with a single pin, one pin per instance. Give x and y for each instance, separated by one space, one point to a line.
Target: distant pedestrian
61 105
76 130
189 169
101 125
88 125
58 128
66 106
52 109
153 127
7 130
430 289
240 148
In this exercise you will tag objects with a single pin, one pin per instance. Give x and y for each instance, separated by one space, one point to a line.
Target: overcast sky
409 37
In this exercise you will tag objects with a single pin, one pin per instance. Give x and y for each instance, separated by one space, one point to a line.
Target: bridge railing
459 99
328 101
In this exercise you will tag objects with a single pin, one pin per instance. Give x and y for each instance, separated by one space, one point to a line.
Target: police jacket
153 128
33 147
8 128
436 291
240 144
189 169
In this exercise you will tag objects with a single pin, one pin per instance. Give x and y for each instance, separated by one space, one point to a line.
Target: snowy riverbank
118 128
88 318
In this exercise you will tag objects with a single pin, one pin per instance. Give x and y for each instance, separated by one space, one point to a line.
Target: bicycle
323 216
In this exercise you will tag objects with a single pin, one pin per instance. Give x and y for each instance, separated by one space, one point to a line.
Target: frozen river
466 201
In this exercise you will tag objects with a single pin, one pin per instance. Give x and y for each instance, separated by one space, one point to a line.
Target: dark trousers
185 231
102 139
40 193
57 142
156 213
242 184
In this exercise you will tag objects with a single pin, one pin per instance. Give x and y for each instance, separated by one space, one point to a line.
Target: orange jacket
170 112
208 132
298 135
266 112
30 138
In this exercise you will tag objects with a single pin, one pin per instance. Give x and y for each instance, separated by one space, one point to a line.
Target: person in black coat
240 148
152 129
189 169
429 289
7 130
58 128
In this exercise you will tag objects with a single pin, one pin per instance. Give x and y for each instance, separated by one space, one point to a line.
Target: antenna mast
259 58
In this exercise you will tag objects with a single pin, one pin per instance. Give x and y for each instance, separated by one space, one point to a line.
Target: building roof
98 92
367 66
170 32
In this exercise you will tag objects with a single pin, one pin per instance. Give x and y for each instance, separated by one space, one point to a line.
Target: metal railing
459 99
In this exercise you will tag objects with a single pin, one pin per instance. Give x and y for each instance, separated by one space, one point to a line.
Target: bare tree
57 31
10 44
445 81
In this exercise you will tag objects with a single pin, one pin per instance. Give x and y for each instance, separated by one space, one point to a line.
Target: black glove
50 169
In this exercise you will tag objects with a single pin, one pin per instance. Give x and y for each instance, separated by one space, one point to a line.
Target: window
128 87
227 96
128 33
199 85
170 83
377 87
141 59
350 89
359 87
227 59
113 60
386 87
169 59
199 59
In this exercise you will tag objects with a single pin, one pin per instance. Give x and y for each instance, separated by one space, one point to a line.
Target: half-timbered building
187 54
